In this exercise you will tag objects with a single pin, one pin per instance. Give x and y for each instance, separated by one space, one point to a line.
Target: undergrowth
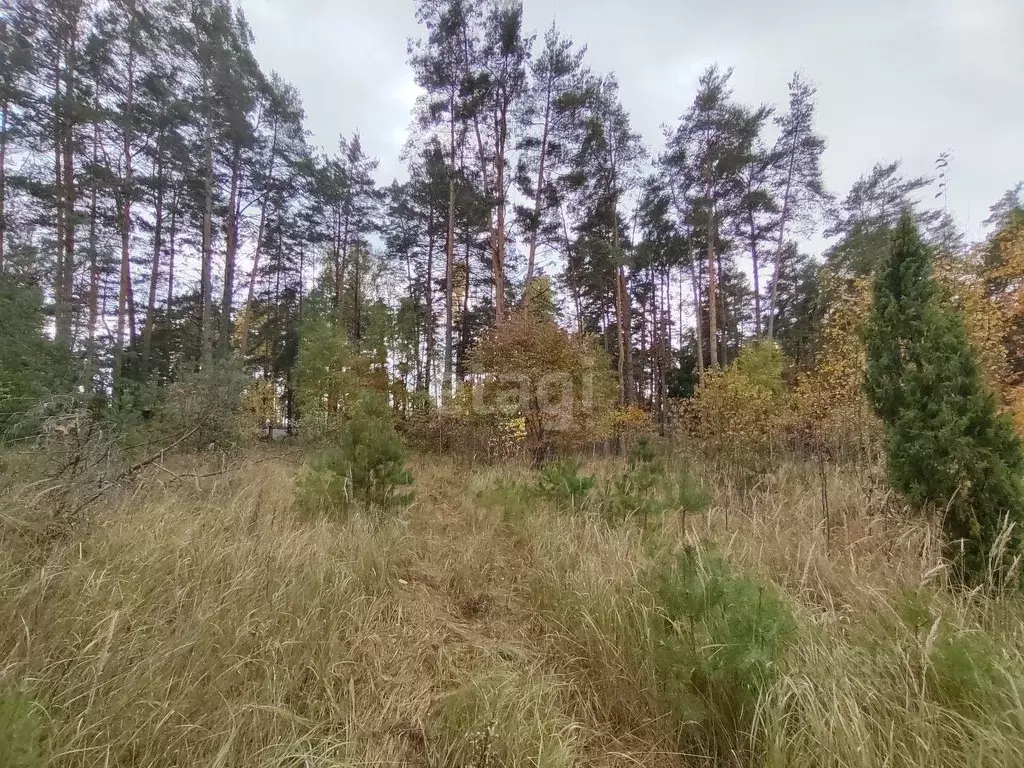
508 617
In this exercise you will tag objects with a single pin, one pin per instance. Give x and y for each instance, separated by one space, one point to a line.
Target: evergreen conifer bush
948 448
366 466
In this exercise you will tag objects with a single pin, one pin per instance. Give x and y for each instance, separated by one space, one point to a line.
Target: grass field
205 622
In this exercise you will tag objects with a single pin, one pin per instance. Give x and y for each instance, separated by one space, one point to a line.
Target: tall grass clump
503 718
918 682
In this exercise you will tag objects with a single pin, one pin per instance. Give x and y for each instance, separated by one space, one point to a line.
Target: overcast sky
897 79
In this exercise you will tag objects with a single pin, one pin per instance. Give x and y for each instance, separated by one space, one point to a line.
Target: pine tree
948 449
799 181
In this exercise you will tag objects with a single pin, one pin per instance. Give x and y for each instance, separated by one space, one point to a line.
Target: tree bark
532 258
4 107
206 269
62 301
446 385
260 234
712 284
622 319
154 270
773 299
755 265
94 265
231 252
125 282
431 330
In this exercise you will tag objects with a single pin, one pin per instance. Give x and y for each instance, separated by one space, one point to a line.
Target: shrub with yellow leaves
560 384
260 403
744 410
829 407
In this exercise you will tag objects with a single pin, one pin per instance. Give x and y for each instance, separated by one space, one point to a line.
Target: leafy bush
561 385
206 405
740 412
366 467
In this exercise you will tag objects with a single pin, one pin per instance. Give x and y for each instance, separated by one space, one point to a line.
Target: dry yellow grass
203 622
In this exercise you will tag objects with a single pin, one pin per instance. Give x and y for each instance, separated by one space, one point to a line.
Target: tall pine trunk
231 252
698 326
446 385
535 231
622 317
260 234
206 268
154 269
712 284
777 272
125 281
428 369
4 107
92 353
756 267
62 301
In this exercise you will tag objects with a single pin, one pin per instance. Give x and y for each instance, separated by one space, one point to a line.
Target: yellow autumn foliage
260 402
746 407
830 408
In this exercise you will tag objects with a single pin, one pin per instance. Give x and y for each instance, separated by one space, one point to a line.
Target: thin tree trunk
666 347
446 385
250 294
206 270
756 266
460 363
171 247
357 329
622 318
68 276
61 310
698 322
94 266
498 234
3 181
574 289
532 258
776 274
712 287
231 252
724 317
343 268
336 249
125 282
431 329
251 291
154 271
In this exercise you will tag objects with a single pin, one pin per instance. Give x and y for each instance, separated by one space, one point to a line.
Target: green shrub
652 486
22 730
206 405
562 482
948 448
366 467
717 646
